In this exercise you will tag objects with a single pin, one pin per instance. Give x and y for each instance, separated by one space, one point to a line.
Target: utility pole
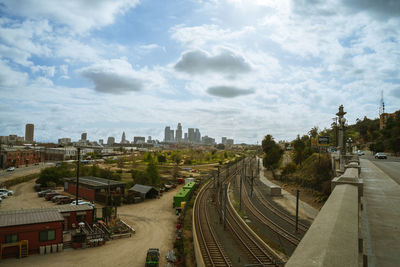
252 183
220 204
240 191
297 209
218 176
226 198
77 175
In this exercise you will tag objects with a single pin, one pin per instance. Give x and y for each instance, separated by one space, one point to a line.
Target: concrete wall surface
332 239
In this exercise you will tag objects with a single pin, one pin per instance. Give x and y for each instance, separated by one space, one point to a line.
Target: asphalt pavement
23 170
390 166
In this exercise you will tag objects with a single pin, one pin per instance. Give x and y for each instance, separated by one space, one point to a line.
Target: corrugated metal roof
96 181
144 189
22 217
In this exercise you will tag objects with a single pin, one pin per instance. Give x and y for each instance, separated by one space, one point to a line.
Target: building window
13 238
47 235
81 218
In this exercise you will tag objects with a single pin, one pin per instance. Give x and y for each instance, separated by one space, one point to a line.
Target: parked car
10 169
380 155
82 202
3 195
44 192
153 257
9 192
49 196
61 199
360 153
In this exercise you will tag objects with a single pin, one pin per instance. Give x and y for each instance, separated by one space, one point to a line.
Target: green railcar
182 196
191 186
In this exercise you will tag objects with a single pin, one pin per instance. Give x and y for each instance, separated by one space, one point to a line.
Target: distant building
191 135
197 136
29 128
167 132
139 140
110 141
229 142
101 141
178 135
171 136
208 140
223 140
186 138
123 138
84 136
64 141
19 157
384 117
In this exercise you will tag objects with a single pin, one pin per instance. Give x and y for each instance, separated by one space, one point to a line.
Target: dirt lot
153 220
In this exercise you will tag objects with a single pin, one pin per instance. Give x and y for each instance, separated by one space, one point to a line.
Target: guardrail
334 238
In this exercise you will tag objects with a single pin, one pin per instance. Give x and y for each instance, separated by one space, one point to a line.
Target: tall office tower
223 140
197 136
167 133
84 136
191 135
186 137
101 141
110 141
178 133
171 136
29 132
123 138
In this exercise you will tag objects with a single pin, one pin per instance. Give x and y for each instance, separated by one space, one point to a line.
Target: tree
313 132
272 153
152 173
140 177
299 147
161 158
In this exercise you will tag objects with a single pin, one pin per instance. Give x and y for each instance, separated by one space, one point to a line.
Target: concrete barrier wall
332 239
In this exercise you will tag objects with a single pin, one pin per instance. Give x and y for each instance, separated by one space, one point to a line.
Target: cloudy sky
234 68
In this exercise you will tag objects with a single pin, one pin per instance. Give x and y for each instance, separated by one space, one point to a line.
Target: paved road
21 171
381 214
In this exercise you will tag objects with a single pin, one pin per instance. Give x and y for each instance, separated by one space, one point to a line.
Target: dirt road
154 222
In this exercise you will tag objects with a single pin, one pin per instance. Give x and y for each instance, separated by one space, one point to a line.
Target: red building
95 188
16 158
23 232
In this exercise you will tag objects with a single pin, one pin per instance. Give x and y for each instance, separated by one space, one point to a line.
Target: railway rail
212 252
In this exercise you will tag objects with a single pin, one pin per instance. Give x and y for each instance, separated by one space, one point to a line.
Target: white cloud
79 15
10 78
118 77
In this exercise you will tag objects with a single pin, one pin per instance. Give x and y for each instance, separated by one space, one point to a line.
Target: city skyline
248 68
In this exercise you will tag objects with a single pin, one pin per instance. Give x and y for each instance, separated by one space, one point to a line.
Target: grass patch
19 180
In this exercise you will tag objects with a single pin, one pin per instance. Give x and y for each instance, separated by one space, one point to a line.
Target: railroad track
254 248
212 252
283 215
273 226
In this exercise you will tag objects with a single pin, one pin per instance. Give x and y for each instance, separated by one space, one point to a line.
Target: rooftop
141 188
96 182
29 216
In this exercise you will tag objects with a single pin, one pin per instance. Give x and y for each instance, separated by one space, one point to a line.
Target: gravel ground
154 222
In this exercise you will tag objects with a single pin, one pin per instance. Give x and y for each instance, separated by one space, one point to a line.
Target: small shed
143 191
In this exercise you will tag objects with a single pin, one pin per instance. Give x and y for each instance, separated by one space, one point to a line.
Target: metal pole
220 204
226 197
77 175
240 191
297 209
252 183
218 176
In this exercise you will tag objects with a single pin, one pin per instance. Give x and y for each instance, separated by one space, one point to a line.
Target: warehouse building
143 191
95 188
23 232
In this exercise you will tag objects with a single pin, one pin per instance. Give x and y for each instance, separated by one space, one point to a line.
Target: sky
234 68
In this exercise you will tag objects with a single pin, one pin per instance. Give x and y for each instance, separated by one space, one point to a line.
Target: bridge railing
334 238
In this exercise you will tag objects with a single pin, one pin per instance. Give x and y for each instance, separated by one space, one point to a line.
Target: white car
82 202
6 191
3 195
10 169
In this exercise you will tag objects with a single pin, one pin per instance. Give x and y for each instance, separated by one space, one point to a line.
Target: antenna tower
382 107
